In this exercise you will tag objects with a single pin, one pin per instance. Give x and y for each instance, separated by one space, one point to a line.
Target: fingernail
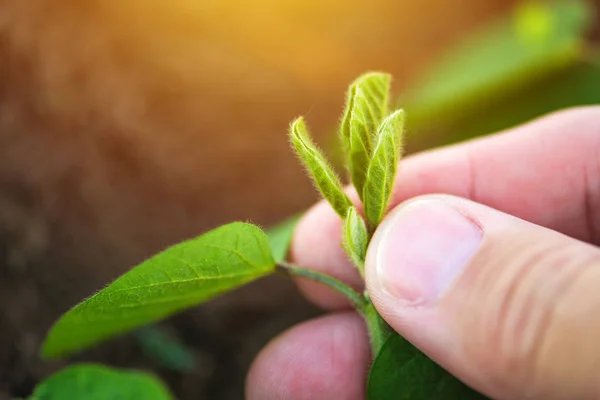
421 248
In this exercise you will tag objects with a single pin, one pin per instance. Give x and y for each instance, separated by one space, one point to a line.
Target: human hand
497 280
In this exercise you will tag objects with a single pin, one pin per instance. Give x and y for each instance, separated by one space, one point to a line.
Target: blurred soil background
127 126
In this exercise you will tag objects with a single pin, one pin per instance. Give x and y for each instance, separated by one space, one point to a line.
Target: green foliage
382 168
401 372
538 41
355 238
319 170
221 260
366 106
373 143
96 382
281 236
180 277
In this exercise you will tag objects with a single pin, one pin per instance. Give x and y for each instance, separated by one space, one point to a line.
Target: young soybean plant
228 257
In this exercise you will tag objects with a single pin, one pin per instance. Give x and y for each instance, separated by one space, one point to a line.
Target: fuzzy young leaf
97 382
322 174
356 238
401 372
382 169
361 136
345 122
180 277
366 106
375 87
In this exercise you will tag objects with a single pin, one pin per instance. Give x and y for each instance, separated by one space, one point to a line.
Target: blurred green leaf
166 348
401 372
281 236
180 277
537 40
576 86
97 382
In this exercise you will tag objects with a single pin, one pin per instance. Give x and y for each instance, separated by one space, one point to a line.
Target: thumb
509 307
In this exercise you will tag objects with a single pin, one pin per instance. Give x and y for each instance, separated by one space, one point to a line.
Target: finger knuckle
517 296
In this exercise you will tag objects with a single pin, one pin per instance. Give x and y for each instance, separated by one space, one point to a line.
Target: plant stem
378 329
357 300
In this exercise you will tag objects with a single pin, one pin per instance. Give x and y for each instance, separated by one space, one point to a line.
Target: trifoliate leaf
320 171
356 238
382 168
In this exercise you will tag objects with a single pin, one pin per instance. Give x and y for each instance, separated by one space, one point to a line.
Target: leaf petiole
359 302
378 328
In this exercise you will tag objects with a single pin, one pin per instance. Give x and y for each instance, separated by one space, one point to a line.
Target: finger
547 172
510 307
325 358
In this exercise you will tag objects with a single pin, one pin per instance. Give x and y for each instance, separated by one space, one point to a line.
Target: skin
534 191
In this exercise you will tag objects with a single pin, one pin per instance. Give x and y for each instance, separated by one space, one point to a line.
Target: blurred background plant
128 126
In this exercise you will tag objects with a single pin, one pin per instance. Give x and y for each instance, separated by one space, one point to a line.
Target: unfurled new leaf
356 238
382 168
401 372
366 106
97 382
178 278
322 174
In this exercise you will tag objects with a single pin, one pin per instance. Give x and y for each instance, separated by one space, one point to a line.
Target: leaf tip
380 76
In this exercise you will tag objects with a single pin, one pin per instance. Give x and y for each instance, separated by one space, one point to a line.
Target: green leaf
180 277
166 348
535 41
356 238
383 167
375 87
360 142
322 174
401 372
366 106
281 236
576 86
97 382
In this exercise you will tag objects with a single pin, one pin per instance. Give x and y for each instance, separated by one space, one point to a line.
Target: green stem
379 330
358 301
